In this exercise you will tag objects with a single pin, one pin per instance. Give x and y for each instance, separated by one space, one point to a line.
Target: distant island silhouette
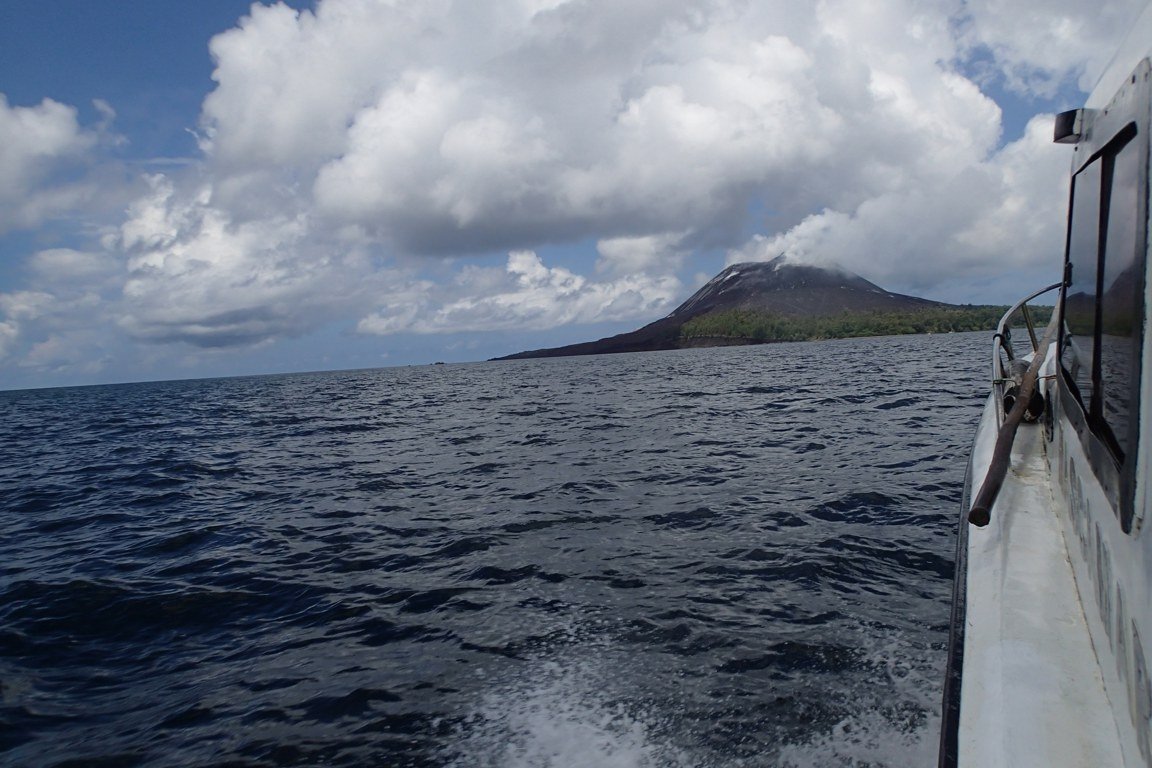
781 300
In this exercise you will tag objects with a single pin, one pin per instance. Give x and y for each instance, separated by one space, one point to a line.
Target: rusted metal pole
981 512
1028 322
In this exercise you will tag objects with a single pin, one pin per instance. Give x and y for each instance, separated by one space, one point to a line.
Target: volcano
779 287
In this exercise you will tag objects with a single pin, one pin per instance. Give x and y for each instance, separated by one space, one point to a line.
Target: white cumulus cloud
984 217
525 294
1037 46
641 255
39 147
197 275
445 130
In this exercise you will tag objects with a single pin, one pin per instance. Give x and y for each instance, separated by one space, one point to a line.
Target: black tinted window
1120 297
1080 302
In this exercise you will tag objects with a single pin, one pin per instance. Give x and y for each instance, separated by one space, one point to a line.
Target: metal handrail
981 511
1002 340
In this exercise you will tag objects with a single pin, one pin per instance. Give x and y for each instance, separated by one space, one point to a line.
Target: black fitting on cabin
1069 127
1035 407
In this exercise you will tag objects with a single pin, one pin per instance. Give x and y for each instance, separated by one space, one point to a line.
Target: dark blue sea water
724 557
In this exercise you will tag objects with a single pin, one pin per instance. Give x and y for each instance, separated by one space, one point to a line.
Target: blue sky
217 188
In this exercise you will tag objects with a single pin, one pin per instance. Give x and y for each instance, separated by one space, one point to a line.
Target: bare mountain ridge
785 288
778 287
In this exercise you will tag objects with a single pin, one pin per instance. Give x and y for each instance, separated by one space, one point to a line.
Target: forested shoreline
755 327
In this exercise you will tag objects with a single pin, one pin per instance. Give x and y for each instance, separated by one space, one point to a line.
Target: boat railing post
981 511
1031 327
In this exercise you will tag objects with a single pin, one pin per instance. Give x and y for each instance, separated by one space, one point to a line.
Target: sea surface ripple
717 557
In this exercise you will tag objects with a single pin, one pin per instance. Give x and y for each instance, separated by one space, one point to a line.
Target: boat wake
894 719
563 715
579 709
866 740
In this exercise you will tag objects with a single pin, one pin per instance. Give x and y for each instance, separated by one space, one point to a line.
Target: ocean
703 558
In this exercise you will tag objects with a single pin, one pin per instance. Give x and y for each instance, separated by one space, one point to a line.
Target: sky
218 187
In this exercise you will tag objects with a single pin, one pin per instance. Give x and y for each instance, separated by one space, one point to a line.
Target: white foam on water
560 715
867 740
578 711
896 722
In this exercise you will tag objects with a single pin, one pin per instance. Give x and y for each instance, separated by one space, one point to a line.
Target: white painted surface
1032 692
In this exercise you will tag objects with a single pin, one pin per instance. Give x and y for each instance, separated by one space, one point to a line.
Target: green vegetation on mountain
738 326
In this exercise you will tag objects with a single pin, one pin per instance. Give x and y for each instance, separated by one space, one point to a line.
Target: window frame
1125 120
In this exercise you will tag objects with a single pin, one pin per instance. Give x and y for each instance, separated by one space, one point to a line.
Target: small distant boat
1052 609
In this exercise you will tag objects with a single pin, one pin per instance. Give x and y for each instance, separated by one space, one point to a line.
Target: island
781 300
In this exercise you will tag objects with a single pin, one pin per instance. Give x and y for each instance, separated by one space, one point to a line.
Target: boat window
1121 286
1077 353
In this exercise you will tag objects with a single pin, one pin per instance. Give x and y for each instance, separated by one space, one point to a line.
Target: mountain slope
784 288
778 287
